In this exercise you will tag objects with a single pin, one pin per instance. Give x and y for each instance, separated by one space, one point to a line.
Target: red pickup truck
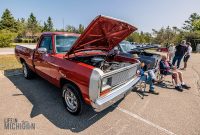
82 65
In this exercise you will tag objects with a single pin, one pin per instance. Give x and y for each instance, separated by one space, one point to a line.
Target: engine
102 62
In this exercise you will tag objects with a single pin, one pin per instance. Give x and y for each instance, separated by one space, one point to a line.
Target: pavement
37 101
5 51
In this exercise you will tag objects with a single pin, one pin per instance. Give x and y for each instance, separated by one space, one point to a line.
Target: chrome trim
42 50
120 70
115 95
96 77
95 83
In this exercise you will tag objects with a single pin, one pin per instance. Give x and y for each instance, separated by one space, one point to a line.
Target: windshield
126 46
64 43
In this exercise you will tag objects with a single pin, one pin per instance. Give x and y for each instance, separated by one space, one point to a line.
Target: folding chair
161 77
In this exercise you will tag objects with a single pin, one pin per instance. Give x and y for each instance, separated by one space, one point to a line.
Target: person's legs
185 61
179 61
174 60
182 81
143 78
170 56
175 76
180 76
185 65
151 86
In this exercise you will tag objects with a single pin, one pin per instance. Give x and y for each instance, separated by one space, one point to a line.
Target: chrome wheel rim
71 100
25 70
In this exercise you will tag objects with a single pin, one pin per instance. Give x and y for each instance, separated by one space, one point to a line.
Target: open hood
103 33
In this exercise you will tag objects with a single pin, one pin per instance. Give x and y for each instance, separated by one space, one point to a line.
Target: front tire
72 99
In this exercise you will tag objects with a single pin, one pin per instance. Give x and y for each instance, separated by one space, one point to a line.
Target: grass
8 62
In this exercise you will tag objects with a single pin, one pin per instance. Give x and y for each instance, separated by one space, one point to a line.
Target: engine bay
102 62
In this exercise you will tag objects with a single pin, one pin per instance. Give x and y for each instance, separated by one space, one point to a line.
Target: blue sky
144 14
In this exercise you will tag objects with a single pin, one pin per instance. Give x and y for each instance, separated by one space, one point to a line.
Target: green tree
45 27
168 35
80 29
6 38
188 25
33 25
196 25
140 37
8 22
48 26
22 25
70 28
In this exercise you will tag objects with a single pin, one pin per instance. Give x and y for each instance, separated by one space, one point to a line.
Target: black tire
78 99
27 72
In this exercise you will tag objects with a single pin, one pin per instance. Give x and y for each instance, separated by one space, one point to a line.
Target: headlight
106 83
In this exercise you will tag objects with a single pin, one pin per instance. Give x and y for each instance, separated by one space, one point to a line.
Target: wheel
72 99
28 74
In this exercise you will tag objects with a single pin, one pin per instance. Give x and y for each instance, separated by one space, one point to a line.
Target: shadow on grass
46 100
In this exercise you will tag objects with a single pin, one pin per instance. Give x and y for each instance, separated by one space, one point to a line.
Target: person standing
181 49
171 51
187 55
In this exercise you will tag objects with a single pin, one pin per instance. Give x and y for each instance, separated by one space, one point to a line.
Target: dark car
127 49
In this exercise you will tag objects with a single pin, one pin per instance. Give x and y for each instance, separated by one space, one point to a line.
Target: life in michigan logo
15 124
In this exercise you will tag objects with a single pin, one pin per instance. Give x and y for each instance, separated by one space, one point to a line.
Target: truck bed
25 53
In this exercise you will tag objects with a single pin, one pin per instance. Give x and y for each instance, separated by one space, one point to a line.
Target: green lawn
14 44
8 62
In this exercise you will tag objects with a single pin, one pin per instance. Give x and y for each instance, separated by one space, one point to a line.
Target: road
5 51
39 102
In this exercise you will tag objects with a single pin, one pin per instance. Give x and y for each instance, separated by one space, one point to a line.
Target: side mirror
42 50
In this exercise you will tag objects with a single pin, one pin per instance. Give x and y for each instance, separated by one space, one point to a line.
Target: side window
46 43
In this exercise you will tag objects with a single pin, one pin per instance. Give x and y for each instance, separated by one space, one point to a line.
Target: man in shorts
167 69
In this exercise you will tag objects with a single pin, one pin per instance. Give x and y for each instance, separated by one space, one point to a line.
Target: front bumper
115 95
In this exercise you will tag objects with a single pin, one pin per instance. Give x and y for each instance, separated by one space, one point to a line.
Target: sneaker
153 92
179 88
185 86
182 68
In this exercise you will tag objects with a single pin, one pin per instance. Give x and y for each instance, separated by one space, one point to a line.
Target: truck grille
123 76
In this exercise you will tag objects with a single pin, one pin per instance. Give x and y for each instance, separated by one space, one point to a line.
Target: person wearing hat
135 56
149 78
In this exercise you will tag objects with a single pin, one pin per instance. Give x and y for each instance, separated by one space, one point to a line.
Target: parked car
162 49
81 66
148 58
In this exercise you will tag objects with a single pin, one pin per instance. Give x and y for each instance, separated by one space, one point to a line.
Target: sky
144 14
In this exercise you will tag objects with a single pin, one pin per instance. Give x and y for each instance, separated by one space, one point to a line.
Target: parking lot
39 102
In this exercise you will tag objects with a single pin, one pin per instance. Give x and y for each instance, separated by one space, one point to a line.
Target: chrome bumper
115 95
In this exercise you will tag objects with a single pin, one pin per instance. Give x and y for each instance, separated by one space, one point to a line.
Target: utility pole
63 24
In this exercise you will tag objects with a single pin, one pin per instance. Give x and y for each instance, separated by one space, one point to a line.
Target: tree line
190 31
28 30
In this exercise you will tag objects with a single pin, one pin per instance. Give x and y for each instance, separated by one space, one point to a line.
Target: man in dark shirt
181 49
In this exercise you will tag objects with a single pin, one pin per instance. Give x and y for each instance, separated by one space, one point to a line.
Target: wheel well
64 81
22 60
